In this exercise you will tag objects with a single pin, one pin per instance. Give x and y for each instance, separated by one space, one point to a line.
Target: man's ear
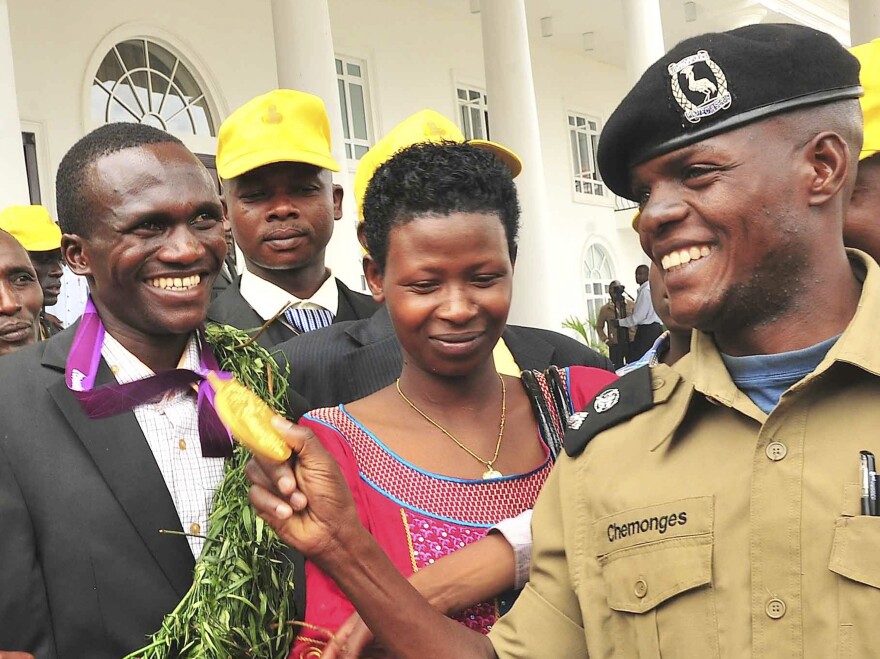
337 201
829 160
73 252
374 279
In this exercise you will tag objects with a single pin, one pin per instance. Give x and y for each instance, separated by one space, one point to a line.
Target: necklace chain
490 472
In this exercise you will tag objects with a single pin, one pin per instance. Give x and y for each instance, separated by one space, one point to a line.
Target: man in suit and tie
84 570
273 157
347 361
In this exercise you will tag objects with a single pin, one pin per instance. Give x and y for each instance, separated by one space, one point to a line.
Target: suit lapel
529 350
126 463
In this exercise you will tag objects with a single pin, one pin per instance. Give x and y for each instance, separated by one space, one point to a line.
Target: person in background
644 319
274 161
674 343
609 331
34 228
21 298
861 229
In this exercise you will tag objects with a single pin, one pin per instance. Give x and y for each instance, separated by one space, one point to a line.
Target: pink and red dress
416 516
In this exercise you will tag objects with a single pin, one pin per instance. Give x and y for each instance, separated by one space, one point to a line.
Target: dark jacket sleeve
25 618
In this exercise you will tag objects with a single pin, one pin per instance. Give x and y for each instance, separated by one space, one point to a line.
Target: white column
864 21
644 30
513 117
13 177
305 59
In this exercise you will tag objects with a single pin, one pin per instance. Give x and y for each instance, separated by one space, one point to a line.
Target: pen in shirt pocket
868 473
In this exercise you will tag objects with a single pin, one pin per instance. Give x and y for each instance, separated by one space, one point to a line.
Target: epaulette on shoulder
621 400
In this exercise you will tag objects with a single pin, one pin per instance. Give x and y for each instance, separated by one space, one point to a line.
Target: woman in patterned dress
453 447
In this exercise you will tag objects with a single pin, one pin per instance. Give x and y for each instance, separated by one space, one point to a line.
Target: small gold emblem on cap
272 115
431 128
716 97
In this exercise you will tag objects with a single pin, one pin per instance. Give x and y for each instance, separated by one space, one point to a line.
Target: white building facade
540 76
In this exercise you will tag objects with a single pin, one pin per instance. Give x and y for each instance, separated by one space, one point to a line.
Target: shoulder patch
621 400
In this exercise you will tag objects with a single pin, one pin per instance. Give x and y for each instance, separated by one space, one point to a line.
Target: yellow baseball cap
284 125
869 57
423 126
32 226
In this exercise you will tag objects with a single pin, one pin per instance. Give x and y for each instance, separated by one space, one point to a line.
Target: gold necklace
490 472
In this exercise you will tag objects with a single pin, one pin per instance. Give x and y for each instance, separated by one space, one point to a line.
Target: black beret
716 82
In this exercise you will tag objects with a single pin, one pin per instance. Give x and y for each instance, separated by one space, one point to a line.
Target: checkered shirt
171 428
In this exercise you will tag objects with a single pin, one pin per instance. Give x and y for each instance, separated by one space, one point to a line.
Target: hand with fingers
306 499
353 640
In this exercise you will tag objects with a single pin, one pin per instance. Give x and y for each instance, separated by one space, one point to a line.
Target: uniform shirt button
657 383
182 444
776 451
775 608
195 528
641 588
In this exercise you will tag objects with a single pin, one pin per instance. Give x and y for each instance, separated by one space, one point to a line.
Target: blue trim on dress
427 513
430 474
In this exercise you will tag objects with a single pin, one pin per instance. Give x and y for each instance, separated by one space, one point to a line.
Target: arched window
141 81
598 273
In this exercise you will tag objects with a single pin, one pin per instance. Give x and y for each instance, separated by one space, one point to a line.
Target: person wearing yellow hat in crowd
861 228
34 228
274 160
358 358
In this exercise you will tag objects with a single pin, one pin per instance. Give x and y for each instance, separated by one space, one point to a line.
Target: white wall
415 52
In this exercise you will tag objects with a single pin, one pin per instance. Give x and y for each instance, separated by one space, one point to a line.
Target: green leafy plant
241 600
584 328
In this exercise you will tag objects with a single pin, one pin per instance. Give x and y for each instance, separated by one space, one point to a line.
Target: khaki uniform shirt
705 528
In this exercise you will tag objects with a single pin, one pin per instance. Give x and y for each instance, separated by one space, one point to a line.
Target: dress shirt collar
267 299
126 367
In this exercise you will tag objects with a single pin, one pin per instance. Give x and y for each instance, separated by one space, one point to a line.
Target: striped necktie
306 320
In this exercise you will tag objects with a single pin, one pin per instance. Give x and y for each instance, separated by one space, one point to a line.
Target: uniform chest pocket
658 580
855 556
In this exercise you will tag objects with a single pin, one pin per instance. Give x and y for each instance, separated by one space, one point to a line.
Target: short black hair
437 178
71 191
644 269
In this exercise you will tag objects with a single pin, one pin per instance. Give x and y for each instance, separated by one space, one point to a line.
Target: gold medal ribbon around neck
490 472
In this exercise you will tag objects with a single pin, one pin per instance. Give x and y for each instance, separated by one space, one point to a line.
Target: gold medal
491 473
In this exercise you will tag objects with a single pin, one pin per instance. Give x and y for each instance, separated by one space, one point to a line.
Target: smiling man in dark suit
273 156
347 361
84 569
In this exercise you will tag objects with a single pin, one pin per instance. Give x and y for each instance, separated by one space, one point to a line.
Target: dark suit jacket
230 308
347 361
84 571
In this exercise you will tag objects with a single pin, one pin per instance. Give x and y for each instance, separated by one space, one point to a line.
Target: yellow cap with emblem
869 75
423 126
32 226
284 125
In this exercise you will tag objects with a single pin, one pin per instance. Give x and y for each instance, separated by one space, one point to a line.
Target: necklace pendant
491 473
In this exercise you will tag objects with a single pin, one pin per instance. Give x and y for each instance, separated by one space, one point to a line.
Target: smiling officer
714 510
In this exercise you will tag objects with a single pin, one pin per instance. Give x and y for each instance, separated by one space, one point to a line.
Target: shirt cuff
518 532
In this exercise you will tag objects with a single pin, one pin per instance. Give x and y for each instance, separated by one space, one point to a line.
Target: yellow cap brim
249 161
505 155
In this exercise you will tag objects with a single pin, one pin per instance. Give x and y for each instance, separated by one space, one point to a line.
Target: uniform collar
857 346
267 299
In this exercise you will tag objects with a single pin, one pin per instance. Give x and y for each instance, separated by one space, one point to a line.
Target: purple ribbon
114 398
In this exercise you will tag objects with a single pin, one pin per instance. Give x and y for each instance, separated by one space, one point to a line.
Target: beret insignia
705 86
625 398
